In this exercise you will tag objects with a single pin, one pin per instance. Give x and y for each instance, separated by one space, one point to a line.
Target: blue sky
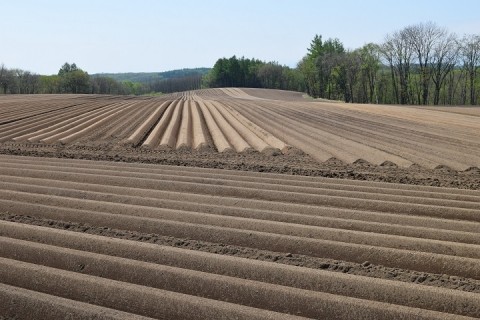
149 35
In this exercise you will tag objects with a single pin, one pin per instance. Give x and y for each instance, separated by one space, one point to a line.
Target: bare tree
470 52
444 59
399 54
423 39
27 81
387 51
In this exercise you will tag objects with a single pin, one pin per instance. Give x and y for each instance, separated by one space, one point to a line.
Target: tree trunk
472 88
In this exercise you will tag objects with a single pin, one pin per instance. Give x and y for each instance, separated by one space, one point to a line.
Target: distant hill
146 77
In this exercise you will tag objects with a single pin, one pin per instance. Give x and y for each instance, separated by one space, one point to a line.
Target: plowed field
277 237
99 238
242 120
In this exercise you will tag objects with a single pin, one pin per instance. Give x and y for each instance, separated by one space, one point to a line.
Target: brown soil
292 162
364 269
397 238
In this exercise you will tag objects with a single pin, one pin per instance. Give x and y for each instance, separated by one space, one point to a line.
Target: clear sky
161 35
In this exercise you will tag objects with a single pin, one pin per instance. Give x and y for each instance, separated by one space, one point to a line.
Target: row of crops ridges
53 272
234 120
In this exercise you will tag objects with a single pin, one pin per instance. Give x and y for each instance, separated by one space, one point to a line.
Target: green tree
316 47
320 67
66 68
293 79
370 65
73 79
328 74
7 80
306 66
135 88
271 75
234 72
49 84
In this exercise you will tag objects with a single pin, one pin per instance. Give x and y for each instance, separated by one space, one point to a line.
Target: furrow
34 112
254 193
228 131
407 259
147 126
128 127
290 136
247 224
248 135
34 124
63 125
318 280
185 135
72 128
123 296
170 135
270 296
424 149
263 134
389 188
344 149
248 207
157 133
43 120
198 128
120 239
256 183
19 303
100 121
219 139
397 136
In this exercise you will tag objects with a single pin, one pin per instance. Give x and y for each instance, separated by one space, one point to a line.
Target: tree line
72 79
253 73
421 64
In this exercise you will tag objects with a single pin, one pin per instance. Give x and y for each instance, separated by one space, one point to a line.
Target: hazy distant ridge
146 77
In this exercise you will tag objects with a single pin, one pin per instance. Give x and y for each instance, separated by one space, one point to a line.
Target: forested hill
147 77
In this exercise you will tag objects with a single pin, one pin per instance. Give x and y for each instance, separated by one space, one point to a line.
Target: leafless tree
444 59
27 81
423 39
470 53
399 54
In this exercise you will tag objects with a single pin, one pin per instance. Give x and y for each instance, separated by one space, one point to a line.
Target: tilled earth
93 227
363 269
293 162
274 238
